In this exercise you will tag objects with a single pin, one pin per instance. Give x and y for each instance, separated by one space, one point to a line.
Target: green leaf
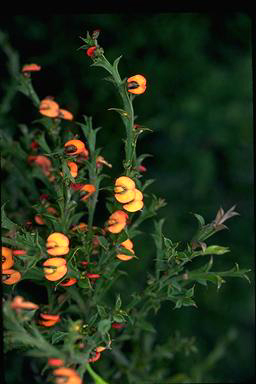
199 218
104 326
6 222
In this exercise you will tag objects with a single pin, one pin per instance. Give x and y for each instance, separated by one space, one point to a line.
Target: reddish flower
90 51
48 320
95 357
54 362
75 186
117 325
34 145
19 252
68 282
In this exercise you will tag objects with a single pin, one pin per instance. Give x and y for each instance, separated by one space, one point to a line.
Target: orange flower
66 115
45 164
38 218
73 168
57 244
48 320
28 68
80 227
67 376
100 349
127 244
55 268
74 147
19 303
68 282
84 155
49 107
136 204
136 84
86 191
54 362
117 221
10 276
7 258
124 189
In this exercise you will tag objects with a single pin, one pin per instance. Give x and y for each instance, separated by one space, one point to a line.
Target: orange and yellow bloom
67 376
136 84
86 191
48 320
74 147
18 303
10 276
55 268
117 221
127 244
57 244
7 258
127 194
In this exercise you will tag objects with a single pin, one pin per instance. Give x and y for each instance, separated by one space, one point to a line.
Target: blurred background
198 103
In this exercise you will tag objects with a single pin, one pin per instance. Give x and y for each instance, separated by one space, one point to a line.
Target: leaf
57 336
104 326
146 326
118 303
199 218
6 222
116 62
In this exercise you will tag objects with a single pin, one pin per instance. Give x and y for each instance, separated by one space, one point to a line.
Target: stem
95 376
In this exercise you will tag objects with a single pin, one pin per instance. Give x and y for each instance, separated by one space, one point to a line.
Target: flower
68 282
136 204
74 147
117 221
48 107
117 325
73 168
10 276
124 189
86 191
84 155
48 320
19 303
19 252
38 218
7 258
55 268
90 51
67 376
93 275
127 244
34 145
75 186
54 362
43 162
136 84
57 244
80 227
95 357
66 115
28 68
142 168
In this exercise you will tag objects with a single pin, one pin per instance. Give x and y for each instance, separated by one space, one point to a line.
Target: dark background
198 103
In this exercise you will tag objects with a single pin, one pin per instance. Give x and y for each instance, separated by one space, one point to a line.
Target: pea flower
49 108
127 244
100 161
28 68
48 320
86 191
74 147
55 362
136 84
124 189
66 115
55 268
67 376
68 282
117 221
7 258
136 204
57 244
90 51
10 276
44 163
19 303
38 219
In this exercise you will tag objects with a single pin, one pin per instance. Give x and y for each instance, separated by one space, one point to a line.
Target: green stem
97 379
